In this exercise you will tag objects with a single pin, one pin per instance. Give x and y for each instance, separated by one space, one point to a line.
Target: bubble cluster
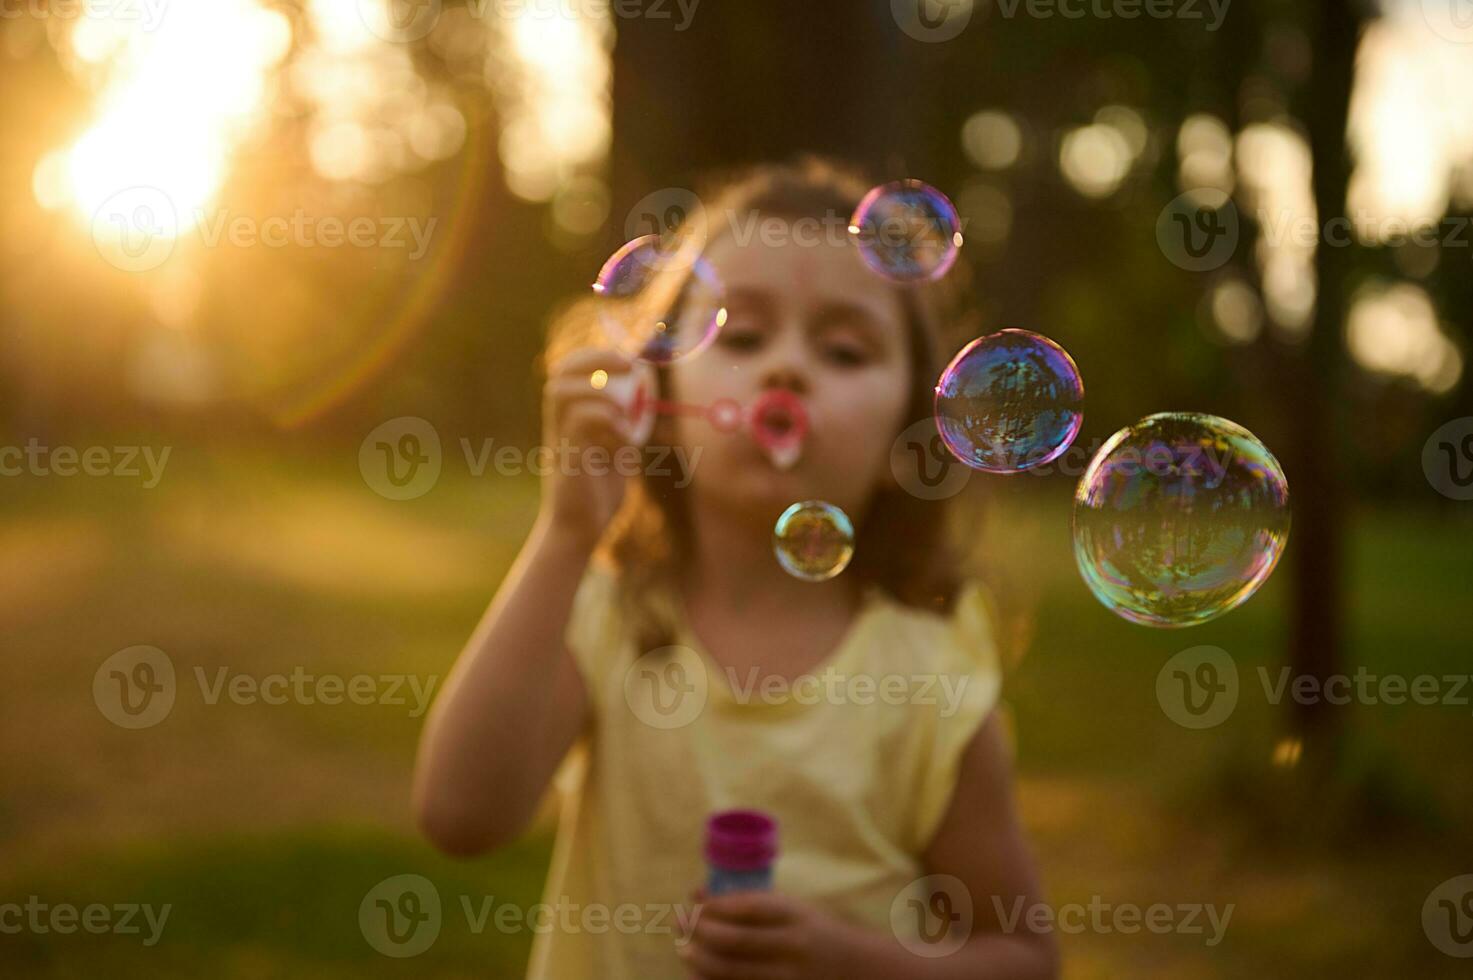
1179 519
813 540
907 231
1009 401
659 301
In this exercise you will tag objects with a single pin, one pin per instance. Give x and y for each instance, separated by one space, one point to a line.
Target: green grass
263 827
278 905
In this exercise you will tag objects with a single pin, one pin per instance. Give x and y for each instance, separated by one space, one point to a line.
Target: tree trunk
1316 396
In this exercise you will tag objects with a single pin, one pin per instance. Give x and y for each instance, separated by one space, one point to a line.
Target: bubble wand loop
777 420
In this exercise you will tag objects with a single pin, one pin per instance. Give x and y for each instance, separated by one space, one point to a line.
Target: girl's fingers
566 395
587 360
709 965
750 908
574 388
727 939
592 423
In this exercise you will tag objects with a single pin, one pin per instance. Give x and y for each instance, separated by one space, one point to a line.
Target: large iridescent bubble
1180 518
907 231
660 300
1009 402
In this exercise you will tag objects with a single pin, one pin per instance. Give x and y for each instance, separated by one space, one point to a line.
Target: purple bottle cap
741 840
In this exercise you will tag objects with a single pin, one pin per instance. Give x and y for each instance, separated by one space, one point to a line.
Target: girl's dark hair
904 544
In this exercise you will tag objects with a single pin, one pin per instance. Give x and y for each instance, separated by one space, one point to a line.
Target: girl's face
813 321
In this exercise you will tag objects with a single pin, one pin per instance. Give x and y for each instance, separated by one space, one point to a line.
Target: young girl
901 854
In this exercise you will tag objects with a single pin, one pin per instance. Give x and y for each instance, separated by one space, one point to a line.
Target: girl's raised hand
584 427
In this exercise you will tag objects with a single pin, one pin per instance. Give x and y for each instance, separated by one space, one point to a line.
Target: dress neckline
719 687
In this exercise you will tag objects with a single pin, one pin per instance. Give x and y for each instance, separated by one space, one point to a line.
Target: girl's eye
737 338
846 355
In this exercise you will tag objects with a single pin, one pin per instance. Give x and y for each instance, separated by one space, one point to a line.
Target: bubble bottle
741 848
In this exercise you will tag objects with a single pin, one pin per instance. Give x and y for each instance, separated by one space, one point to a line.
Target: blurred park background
249 233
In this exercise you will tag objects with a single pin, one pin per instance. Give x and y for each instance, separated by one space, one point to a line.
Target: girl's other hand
582 491
752 935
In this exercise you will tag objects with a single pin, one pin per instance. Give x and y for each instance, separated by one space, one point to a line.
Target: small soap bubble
1179 519
1009 402
907 231
814 541
660 303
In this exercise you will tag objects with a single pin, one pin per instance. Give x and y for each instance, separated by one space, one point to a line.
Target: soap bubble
813 540
1180 518
1009 402
907 231
660 301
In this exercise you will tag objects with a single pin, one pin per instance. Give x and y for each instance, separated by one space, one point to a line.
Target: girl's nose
786 366
786 379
